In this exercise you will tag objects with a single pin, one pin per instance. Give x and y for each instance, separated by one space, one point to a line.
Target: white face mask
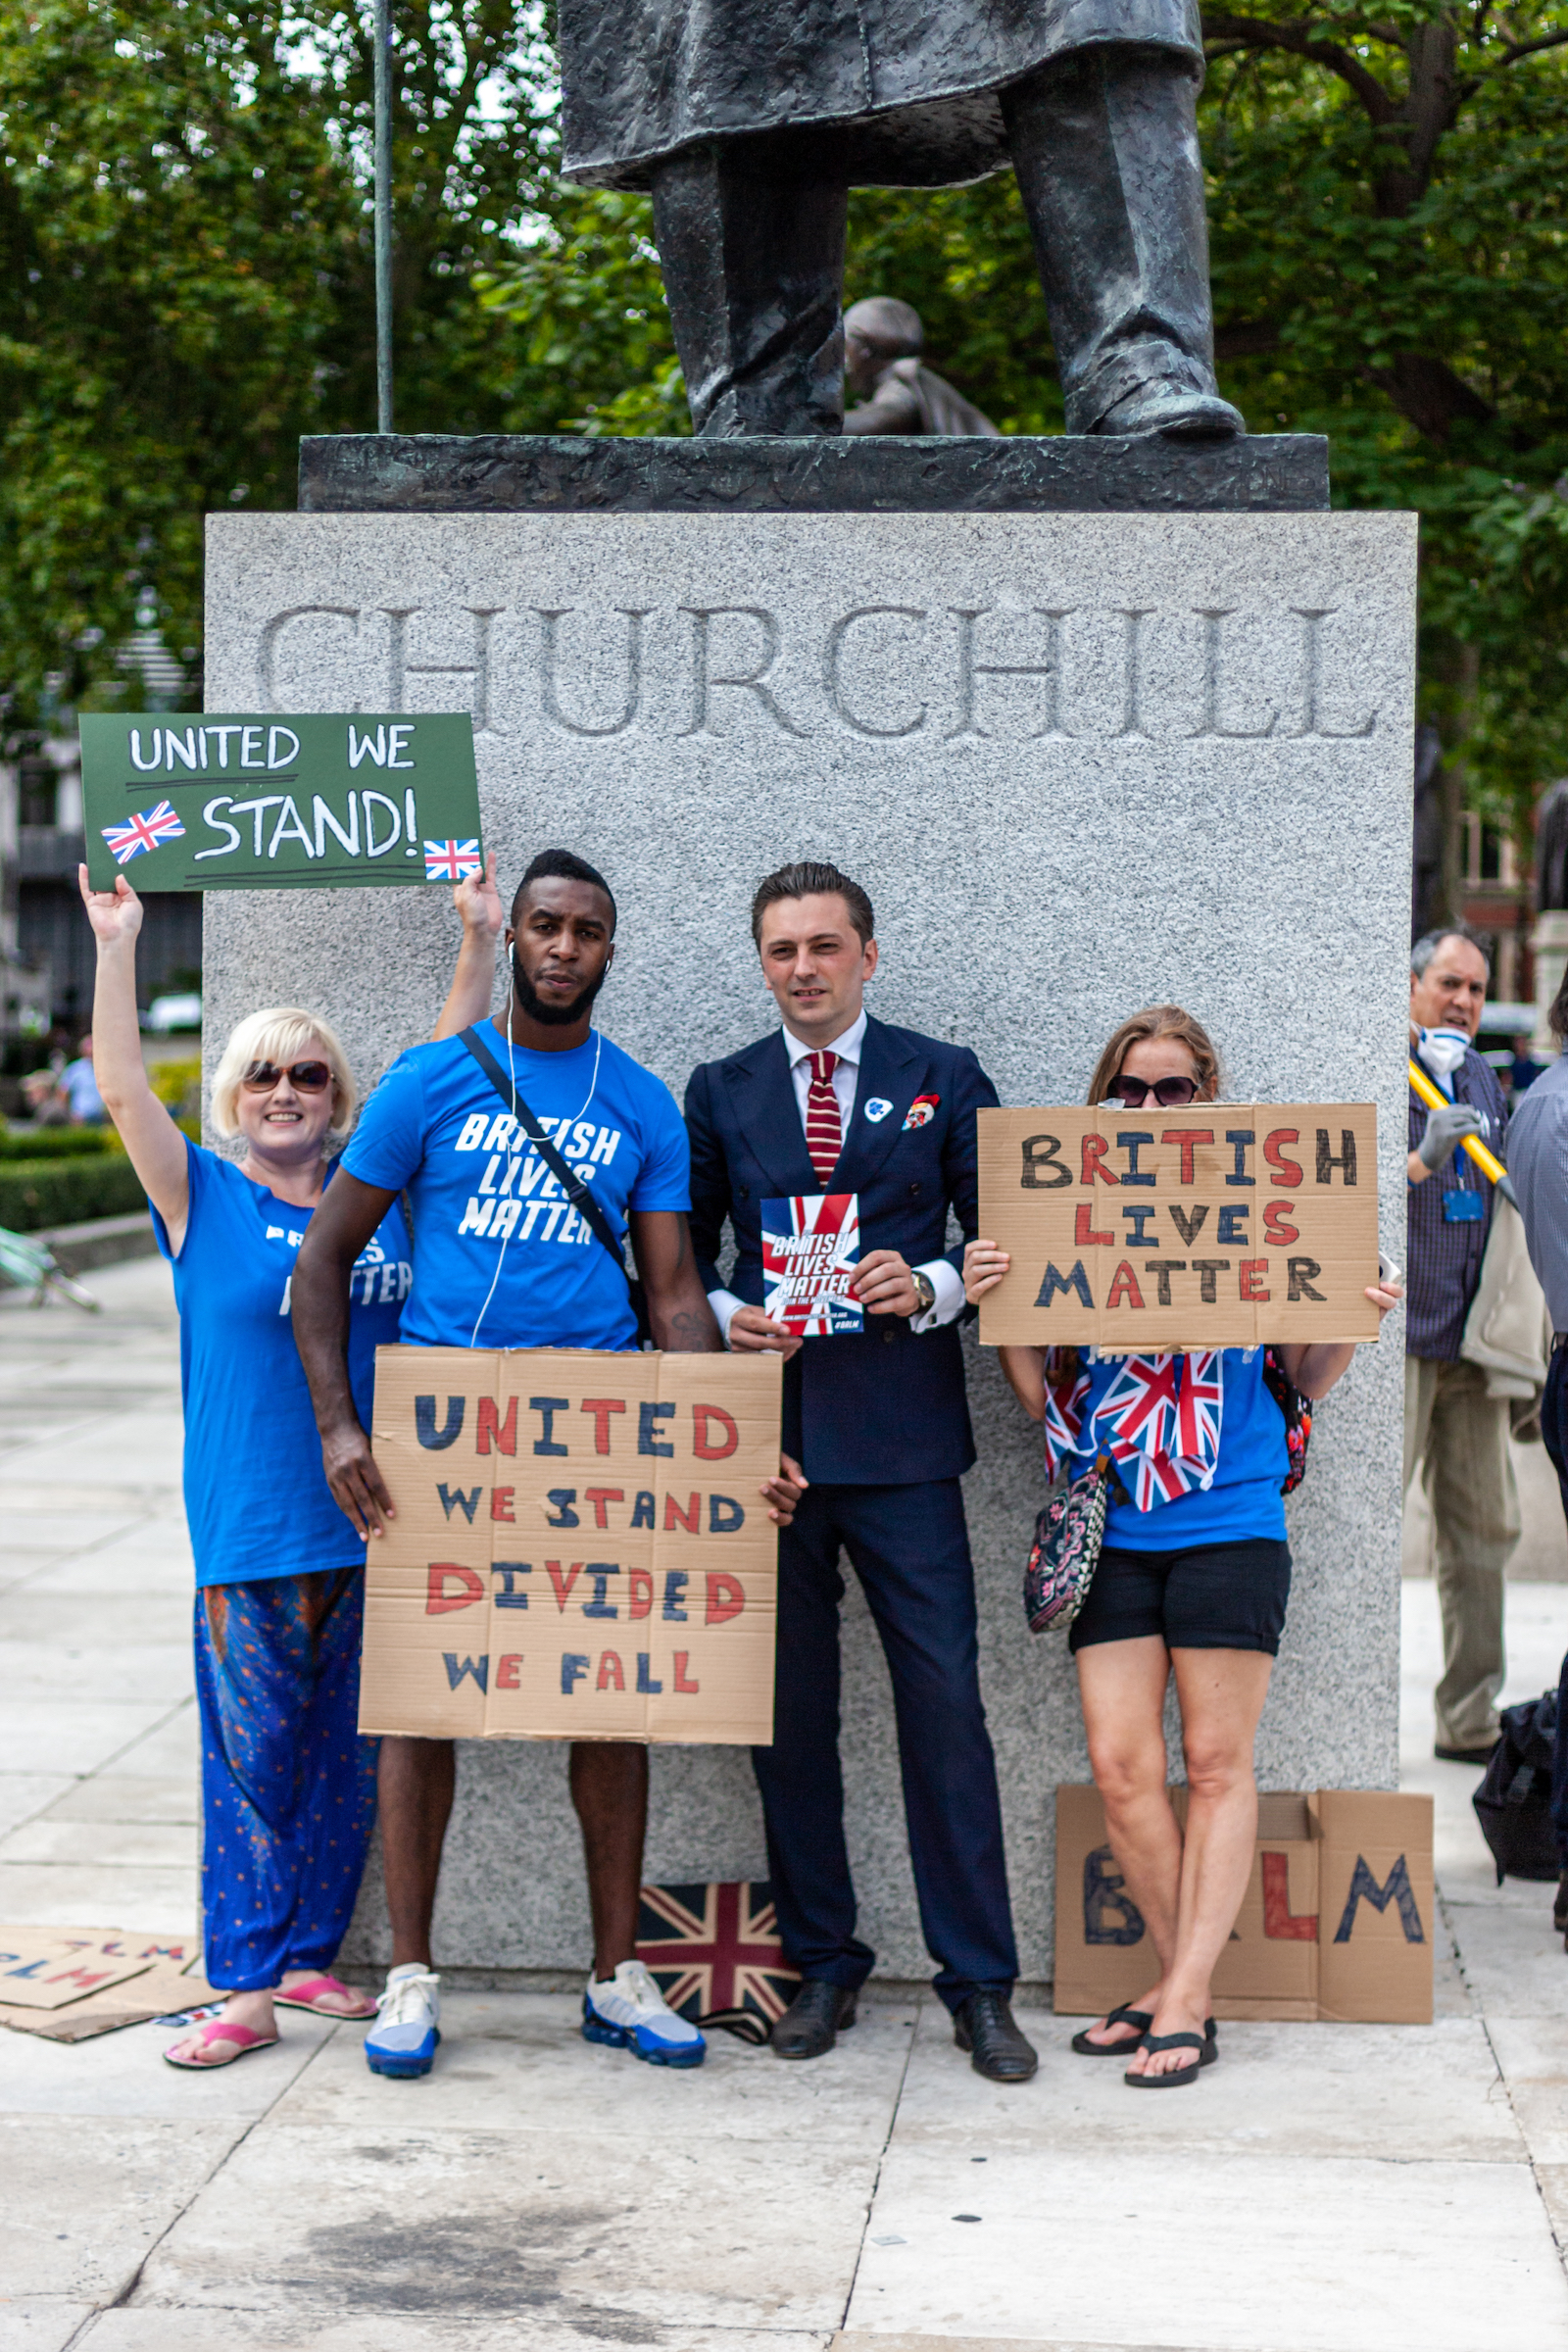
1443 1050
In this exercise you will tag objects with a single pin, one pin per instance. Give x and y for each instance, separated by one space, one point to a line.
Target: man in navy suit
838 1102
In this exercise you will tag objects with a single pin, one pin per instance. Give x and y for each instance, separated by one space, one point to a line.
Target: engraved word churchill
1014 669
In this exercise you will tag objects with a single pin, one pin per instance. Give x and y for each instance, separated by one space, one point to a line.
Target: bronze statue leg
1105 145
751 241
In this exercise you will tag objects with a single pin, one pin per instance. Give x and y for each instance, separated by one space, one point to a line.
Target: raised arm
349 1214
474 983
154 1143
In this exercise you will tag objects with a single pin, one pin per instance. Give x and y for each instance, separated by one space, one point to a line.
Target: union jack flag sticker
452 861
143 831
810 1250
714 1949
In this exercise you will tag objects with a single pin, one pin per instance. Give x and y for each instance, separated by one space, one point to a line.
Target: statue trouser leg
1105 144
751 241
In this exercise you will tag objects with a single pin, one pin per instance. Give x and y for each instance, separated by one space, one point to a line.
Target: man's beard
551 1016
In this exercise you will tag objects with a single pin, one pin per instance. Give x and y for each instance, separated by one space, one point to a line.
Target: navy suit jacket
885 1406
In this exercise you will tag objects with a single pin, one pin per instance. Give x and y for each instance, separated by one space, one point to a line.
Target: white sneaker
628 2012
408 2027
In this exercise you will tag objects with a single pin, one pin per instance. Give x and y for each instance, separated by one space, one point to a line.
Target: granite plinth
1084 762
491 474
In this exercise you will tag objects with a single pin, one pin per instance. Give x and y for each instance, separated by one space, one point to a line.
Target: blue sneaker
402 2042
628 2012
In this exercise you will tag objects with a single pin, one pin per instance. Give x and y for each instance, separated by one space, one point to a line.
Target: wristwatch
925 1291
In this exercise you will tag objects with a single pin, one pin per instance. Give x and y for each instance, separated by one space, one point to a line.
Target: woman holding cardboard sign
1193 1578
288 1788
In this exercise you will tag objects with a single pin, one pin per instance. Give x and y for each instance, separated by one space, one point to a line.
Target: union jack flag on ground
452 861
714 1949
143 831
1160 1417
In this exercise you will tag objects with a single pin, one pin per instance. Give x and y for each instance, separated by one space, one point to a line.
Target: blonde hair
1158 1020
281 1034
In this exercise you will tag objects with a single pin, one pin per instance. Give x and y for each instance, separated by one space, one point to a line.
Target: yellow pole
1486 1161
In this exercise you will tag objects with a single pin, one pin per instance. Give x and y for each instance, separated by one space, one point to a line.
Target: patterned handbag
1298 1411
1065 1551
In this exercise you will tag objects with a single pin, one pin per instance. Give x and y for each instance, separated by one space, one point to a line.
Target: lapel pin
922 1111
878 1107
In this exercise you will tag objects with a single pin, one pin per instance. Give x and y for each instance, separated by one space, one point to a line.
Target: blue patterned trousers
288 1787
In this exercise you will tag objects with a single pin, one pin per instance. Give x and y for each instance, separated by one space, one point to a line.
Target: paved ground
1325 2189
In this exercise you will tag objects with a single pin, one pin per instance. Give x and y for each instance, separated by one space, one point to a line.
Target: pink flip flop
221 2030
307 1995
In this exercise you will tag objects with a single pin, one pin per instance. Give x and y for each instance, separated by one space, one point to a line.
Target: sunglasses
1169 1093
306 1077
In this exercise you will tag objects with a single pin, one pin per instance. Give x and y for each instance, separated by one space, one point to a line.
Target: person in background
1538 1164
883 368
288 1788
1522 1069
1192 1583
1455 1435
80 1085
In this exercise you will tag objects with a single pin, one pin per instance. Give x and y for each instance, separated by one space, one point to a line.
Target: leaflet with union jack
452 861
810 1248
143 832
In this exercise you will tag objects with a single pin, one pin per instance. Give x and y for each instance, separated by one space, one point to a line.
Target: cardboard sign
1336 1924
810 1250
580 1551
1222 1225
262 803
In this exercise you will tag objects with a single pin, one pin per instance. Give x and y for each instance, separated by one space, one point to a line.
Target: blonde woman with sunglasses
1193 1585
288 1788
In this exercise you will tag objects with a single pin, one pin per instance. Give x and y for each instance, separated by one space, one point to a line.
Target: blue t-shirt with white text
503 1259
256 1499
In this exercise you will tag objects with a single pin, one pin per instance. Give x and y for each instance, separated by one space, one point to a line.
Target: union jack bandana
452 861
1157 1420
143 831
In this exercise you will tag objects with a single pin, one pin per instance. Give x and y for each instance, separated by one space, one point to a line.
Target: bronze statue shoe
1177 410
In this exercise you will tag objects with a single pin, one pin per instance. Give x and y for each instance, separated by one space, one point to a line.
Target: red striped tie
824 1128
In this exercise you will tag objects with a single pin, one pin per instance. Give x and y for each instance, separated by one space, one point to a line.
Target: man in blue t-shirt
503 1259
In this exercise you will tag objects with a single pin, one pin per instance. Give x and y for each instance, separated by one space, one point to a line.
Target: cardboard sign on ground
580 1549
258 801
1335 1923
72 1983
1222 1225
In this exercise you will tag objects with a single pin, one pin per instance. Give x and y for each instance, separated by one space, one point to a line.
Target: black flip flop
1206 2054
1142 2019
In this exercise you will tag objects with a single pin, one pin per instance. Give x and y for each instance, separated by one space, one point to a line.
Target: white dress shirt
948 1303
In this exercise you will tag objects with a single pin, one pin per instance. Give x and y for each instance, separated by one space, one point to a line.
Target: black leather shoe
984 2027
1464 1755
813 2020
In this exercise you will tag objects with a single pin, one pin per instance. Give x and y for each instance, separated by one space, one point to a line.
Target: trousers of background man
751 235
1458 1435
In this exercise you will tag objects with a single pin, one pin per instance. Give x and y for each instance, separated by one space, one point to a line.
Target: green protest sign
262 803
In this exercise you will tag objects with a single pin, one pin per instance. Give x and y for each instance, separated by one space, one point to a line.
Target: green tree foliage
187 290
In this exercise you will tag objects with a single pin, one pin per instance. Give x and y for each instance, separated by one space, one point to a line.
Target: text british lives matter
580 1549
1220 1225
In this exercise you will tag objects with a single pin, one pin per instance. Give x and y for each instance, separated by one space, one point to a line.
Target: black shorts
1208 1596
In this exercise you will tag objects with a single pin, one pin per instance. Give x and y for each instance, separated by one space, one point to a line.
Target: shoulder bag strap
579 1194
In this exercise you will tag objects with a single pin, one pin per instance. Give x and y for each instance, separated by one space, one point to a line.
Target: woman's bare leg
1122 1687
1221 1694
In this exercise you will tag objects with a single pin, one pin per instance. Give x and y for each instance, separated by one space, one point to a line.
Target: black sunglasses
306 1077
1169 1093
